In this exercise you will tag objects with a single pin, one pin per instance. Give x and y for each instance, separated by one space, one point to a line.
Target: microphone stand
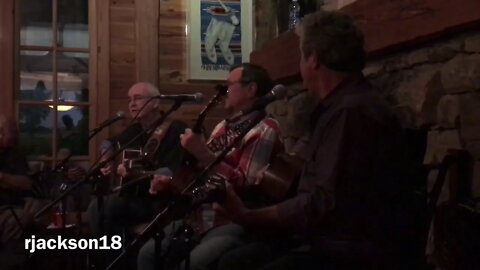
95 170
60 167
183 200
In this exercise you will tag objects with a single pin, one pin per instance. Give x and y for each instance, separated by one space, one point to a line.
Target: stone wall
293 114
437 87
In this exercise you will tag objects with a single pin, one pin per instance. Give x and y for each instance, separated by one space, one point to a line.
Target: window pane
36 23
73 23
36 75
72 77
36 123
72 130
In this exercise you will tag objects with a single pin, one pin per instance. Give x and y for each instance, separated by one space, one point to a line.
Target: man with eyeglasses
214 234
137 204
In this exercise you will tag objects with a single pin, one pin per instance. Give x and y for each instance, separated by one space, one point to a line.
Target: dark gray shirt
12 162
354 154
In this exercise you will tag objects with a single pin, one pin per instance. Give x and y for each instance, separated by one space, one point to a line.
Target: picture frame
219 34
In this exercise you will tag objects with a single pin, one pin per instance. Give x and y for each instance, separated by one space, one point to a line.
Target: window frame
55 49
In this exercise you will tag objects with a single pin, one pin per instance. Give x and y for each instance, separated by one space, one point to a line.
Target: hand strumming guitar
195 144
122 170
160 183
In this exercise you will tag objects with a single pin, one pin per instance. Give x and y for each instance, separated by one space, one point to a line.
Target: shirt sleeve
254 154
316 191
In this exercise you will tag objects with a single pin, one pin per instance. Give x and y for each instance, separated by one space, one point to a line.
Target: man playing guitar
214 233
135 206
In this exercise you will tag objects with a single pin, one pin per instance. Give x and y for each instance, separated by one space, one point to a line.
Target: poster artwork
221 34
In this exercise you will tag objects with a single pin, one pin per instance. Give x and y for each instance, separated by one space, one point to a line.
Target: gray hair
335 40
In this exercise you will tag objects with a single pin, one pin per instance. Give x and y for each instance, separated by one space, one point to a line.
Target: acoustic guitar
188 169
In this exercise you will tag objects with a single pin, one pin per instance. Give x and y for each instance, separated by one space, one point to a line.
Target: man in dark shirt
136 205
351 185
14 183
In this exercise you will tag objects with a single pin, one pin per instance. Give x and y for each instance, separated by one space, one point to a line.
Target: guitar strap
155 140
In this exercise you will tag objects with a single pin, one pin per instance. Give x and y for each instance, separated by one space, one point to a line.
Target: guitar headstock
221 92
217 98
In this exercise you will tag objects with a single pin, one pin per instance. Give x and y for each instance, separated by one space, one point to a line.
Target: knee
146 256
114 207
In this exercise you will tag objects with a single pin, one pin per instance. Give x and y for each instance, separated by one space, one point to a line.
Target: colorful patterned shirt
244 161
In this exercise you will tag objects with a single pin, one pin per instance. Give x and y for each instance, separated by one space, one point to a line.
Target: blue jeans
119 212
210 248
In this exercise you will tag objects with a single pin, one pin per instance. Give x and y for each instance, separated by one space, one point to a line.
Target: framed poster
219 37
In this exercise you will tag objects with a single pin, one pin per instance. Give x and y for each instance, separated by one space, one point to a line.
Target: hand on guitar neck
159 184
193 140
195 144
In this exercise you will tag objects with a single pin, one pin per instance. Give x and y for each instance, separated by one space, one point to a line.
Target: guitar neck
197 128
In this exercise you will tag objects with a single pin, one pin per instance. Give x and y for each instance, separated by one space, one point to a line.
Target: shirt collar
343 88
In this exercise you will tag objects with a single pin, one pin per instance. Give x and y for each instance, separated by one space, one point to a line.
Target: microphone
278 92
197 97
119 116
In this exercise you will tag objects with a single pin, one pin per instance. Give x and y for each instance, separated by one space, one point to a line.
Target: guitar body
281 178
182 176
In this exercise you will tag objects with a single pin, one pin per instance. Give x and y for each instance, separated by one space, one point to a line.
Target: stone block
470 117
472 44
422 94
438 144
476 180
418 57
441 53
298 116
406 115
473 148
444 192
461 74
278 108
448 111
373 69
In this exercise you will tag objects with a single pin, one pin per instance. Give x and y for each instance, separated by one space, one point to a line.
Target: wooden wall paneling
102 35
172 41
123 45
122 14
92 72
147 40
122 31
7 49
123 3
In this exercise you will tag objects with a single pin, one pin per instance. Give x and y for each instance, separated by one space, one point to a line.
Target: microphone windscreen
279 91
198 97
121 114
106 145
164 171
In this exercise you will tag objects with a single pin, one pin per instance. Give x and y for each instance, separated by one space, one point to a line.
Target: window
52 78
